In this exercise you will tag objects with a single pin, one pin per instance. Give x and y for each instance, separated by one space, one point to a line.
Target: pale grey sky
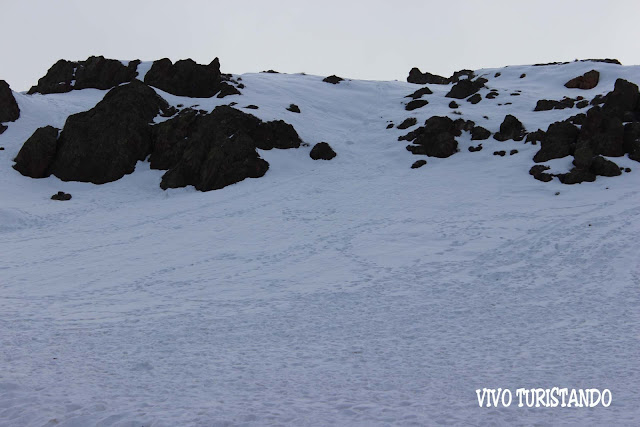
369 39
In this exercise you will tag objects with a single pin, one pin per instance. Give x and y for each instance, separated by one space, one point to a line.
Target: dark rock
390 125
61 195
578 119
536 136
270 72
631 140
322 151
511 128
576 176
583 156
603 132
419 93
411 121
412 135
185 78
463 125
294 108
334 80
252 107
627 170
558 142
603 167
597 100
474 99
547 104
588 80
9 110
492 95
623 98
479 133
453 104
37 153
418 164
500 153
96 72
2 128
437 137
417 77
419 150
226 89
171 138
465 88
212 151
497 75
416 103
473 149
512 152
538 172
461 75
522 76
103 144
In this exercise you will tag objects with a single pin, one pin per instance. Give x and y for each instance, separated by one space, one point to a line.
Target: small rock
512 152
411 121
453 104
252 107
334 80
418 164
294 108
500 153
474 99
415 104
61 195
523 75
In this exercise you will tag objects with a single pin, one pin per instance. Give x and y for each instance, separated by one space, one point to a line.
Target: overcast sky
370 39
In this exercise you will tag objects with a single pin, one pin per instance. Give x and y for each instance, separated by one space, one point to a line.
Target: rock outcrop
185 77
96 72
9 110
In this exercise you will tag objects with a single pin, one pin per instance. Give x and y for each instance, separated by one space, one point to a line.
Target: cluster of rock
207 150
611 130
184 78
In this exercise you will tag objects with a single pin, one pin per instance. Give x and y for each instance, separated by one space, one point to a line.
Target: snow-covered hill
355 291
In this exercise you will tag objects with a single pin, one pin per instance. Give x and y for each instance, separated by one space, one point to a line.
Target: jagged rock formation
185 77
9 110
96 72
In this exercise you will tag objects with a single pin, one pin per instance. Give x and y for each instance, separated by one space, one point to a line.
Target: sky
372 39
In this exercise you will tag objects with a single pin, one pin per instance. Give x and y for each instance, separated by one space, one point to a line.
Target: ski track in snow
349 292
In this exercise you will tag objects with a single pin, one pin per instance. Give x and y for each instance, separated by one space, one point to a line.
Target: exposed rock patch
334 80
588 80
37 153
511 128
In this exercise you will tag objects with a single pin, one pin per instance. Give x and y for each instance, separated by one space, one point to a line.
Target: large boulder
185 77
465 88
96 72
588 80
103 144
418 77
557 142
322 151
510 128
437 138
9 110
603 132
211 151
623 99
632 140
37 153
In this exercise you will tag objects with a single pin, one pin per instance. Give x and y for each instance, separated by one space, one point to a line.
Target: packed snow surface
355 291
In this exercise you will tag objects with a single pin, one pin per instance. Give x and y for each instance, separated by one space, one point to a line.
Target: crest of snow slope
351 292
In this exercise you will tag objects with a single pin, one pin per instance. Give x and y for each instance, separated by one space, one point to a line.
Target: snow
355 291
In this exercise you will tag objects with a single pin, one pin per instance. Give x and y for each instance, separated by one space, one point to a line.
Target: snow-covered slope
355 291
